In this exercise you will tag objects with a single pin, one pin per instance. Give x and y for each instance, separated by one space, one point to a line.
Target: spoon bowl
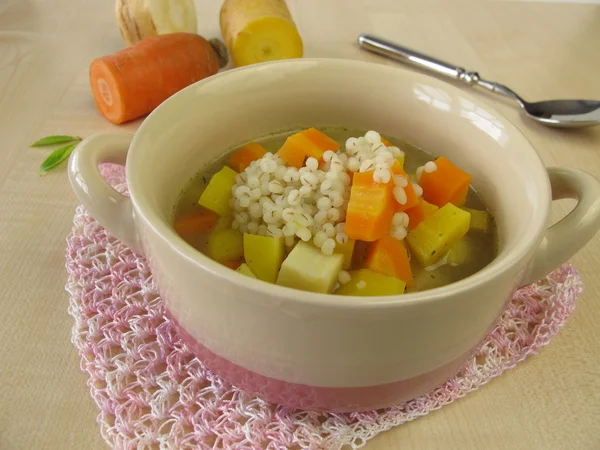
553 113
564 113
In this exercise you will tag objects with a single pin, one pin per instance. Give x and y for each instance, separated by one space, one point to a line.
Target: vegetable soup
338 211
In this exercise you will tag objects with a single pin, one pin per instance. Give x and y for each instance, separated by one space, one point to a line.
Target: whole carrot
133 82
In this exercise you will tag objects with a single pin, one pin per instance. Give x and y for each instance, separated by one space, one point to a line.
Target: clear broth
484 245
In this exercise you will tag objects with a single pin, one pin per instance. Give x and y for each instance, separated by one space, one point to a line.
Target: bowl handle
566 237
111 209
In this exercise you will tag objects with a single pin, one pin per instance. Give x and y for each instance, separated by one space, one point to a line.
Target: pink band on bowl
314 398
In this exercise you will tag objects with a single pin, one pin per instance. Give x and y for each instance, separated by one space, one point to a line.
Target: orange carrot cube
321 140
195 222
297 148
389 256
412 199
232 263
370 209
242 158
385 142
446 184
418 213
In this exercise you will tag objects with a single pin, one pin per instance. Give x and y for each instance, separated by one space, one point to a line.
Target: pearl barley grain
341 238
256 194
400 195
304 234
382 176
419 173
373 137
312 164
324 203
255 210
336 200
280 172
398 233
328 229
353 164
289 230
289 241
242 191
430 167
309 203
367 165
319 238
344 277
418 190
400 180
333 214
321 217
294 197
305 190
398 219
264 187
351 145
262 230
328 246
275 187
328 155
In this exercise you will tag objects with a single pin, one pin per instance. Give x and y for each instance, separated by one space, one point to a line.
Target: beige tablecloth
542 50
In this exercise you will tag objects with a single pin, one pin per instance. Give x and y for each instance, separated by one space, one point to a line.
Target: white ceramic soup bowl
317 351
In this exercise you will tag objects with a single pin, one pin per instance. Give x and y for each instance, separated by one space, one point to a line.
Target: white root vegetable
139 19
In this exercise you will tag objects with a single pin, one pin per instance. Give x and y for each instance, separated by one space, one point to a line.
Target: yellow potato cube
365 282
309 269
428 208
461 252
480 220
244 269
434 236
429 279
225 244
347 250
217 194
264 255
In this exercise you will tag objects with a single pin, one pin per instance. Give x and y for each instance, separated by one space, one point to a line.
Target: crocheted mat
153 393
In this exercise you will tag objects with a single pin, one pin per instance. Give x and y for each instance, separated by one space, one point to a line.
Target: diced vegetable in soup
338 211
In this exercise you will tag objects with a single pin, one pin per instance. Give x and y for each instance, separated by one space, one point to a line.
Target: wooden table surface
540 49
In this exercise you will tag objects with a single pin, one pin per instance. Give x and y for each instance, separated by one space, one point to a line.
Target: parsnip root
139 19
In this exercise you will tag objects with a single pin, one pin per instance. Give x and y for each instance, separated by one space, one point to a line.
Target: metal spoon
554 113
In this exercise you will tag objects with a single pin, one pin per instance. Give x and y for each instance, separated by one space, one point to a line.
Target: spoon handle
413 58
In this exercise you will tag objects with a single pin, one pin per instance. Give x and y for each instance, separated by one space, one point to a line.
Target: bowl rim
525 245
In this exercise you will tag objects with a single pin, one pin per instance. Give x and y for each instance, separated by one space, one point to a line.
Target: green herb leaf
52 140
56 157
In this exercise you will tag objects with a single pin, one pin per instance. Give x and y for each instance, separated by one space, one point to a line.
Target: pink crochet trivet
153 393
